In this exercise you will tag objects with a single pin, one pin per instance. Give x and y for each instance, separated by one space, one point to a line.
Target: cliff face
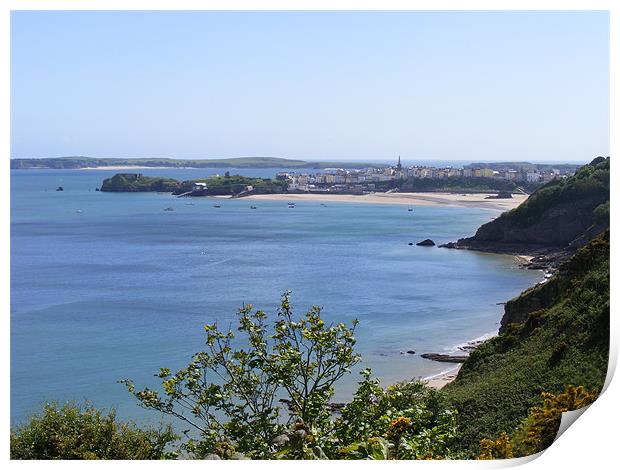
553 217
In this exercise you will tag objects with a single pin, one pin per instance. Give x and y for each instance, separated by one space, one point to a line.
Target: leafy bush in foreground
295 361
405 421
74 432
232 394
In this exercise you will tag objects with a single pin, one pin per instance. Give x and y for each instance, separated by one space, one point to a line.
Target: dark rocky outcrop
427 242
443 357
449 245
501 195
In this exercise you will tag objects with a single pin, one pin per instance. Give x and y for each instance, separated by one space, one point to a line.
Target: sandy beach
414 199
443 379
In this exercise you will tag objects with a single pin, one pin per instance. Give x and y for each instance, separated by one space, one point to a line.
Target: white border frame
591 443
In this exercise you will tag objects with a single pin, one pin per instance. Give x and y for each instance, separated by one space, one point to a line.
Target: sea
112 286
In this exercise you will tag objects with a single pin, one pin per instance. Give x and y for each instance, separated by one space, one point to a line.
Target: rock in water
427 242
449 245
444 357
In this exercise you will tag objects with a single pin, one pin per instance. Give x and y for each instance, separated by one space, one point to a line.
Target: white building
533 177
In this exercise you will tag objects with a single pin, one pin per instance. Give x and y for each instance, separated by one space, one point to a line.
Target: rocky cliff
562 215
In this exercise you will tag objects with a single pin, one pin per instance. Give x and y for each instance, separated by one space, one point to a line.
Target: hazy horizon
438 86
404 160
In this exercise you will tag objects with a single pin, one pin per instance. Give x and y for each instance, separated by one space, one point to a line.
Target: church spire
399 167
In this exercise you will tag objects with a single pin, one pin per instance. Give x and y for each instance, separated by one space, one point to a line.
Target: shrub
229 394
539 429
405 421
84 432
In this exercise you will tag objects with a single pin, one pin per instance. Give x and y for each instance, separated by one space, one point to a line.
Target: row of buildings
366 178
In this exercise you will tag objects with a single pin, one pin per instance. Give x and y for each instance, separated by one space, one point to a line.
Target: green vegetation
241 162
82 432
216 185
539 429
555 214
589 182
135 182
299 359
564 339
229 394
405 421
235 184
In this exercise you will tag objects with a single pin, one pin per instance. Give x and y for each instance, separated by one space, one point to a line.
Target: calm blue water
110 286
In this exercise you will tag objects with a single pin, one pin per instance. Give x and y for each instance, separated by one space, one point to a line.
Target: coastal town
366 180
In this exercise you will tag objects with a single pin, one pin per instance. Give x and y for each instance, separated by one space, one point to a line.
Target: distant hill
562 214
241 162
524 166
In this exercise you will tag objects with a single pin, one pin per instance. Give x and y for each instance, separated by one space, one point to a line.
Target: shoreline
442 379
475 200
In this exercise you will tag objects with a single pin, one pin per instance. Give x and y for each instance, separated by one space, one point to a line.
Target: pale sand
414 199
443 379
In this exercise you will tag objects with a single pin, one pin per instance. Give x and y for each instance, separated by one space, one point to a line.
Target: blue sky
311 85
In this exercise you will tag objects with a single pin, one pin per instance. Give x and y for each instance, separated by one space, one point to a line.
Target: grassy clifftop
553 216
555 334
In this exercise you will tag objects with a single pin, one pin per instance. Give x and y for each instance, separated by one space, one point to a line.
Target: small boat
410 210
217 206
291 205
168 209
60 188
252 207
